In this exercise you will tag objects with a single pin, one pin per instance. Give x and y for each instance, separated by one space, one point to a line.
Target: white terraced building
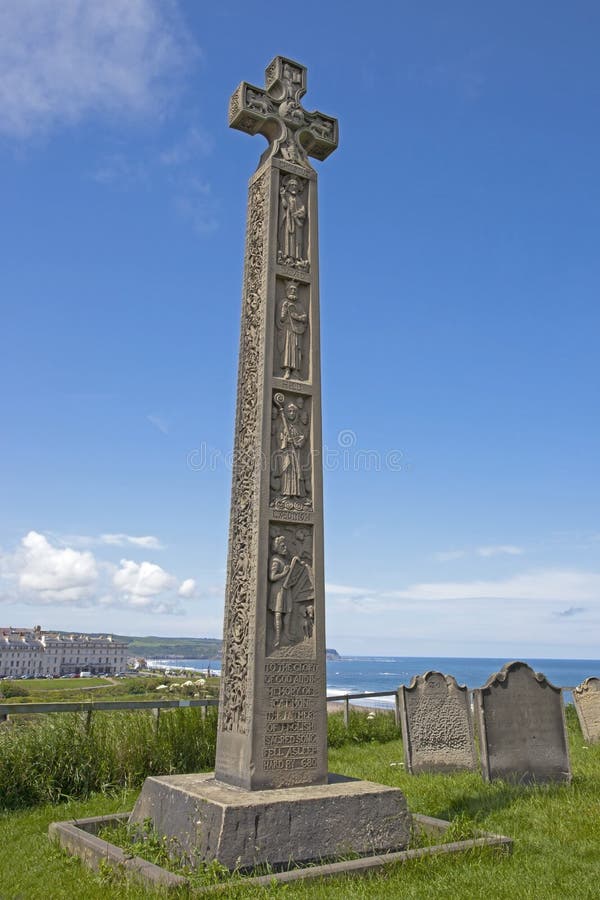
31 651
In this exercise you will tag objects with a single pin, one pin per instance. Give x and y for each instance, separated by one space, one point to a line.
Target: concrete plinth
242 829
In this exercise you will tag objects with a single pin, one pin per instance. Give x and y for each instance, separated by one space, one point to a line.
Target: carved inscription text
293 689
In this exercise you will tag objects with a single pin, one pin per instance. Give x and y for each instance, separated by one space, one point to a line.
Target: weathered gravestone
521 725
437 727
271 798
586 697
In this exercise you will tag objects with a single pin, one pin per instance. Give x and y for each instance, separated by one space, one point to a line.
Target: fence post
156 713
347 712
88 720
397 709
203 712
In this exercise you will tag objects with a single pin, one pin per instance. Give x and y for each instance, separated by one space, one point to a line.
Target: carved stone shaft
272 715
272 730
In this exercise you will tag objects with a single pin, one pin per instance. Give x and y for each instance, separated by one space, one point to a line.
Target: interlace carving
241 578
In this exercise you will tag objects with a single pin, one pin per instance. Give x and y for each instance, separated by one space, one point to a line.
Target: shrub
140 685
13 689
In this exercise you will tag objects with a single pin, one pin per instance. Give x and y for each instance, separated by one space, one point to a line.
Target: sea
359 674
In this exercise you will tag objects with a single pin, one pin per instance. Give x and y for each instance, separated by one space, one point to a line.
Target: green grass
362 728
46 685
31 867
54 757
556 830
133 687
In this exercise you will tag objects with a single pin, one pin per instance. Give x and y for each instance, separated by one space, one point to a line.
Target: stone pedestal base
209 820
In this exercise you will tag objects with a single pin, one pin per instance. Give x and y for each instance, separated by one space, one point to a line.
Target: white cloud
147 542
194 201
343 590
448 555
144 579
488 551
52 573
193 144
159 423
61 61
118 168
176 167
546 612
187 588
39 572
499 550
147 586
568 585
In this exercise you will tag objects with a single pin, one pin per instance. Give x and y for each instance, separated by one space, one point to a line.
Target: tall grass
363 728
54 757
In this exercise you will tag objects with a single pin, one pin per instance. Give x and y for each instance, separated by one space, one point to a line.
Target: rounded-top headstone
437 729
586 697
521 724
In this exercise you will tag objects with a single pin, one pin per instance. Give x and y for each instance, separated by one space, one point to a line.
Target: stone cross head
275 111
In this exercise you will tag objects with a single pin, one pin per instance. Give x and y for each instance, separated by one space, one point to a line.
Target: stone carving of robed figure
291 222
290 440
292 323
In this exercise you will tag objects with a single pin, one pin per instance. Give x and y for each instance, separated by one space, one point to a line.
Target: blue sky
459 226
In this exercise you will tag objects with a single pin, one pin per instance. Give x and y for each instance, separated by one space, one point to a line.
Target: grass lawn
37 685
44 686
556 830
132 687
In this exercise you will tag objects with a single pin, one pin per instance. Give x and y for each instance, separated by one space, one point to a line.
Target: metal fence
89 706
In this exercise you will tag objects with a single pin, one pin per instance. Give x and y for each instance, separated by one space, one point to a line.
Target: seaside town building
31 651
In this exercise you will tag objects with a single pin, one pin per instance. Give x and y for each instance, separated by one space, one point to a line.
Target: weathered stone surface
437 727
79 837
272 713
586 697
272 730
521 725
210 820
74 838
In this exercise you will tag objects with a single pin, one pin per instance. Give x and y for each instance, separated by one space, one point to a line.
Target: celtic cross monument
271 799
272 711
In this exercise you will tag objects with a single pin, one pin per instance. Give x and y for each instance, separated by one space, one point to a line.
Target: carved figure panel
291 469
291 589
258 100
292 248
291 357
